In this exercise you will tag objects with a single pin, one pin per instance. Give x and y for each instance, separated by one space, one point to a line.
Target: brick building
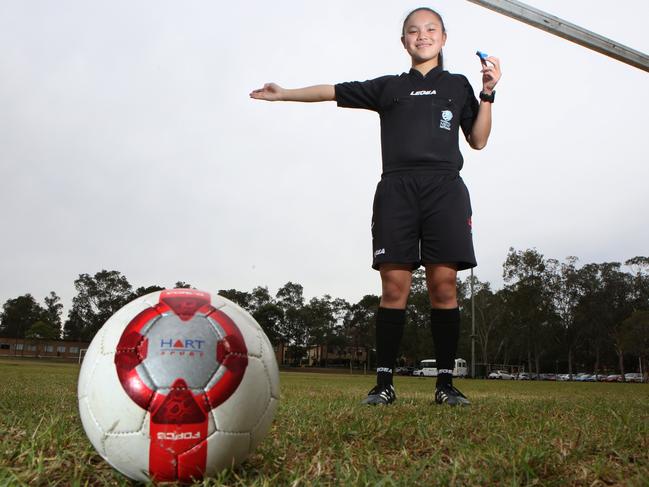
321 355
40 348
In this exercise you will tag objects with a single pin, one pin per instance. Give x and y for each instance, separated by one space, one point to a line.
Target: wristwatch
489 98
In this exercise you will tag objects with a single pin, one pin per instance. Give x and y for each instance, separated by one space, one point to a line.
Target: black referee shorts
422 217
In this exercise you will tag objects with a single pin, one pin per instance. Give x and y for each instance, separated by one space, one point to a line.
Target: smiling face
423 36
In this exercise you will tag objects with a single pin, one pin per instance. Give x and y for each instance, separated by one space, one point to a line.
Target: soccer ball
178 385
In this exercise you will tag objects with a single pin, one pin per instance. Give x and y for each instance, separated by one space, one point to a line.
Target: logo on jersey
445 121
379 252
423 92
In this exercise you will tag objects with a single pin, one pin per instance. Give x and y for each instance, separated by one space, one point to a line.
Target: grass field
515 433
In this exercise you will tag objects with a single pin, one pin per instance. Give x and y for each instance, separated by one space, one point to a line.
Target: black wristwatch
489 98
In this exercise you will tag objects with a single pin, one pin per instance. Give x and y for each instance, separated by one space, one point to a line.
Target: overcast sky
128 141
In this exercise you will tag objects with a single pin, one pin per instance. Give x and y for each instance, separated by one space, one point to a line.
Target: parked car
614 378
523 376
633 377
563 377
548 377
404 370
500 374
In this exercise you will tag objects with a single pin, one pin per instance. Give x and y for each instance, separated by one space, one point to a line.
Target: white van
428 368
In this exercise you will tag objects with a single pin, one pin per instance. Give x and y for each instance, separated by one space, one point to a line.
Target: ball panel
246 316
219 301
270 362
241 412
225 450
182 348
118 322
113 409
129 453
260 431
92 428
89 363
248 327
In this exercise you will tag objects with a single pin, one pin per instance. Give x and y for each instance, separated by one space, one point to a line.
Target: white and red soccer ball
178 385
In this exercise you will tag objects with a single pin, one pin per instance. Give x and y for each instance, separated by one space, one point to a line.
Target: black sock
389 330
445 325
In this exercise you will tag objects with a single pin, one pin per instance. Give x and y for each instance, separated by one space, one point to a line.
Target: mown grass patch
515 433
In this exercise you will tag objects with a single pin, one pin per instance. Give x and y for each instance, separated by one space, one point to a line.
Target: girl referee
422 212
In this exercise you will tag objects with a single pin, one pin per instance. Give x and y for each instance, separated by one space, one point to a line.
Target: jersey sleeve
361 94
470 108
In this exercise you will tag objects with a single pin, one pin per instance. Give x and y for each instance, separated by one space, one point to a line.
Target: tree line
548 316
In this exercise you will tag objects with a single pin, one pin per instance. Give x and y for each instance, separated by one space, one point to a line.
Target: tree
53 309
566 295
19 314
291 295
43 330
270 317
605 301
528 283
241 298
640 270
259 297
632 335
290 298
324 321
143 291
74 326
417 341
489 319
319 322
98 298
182 285
359 325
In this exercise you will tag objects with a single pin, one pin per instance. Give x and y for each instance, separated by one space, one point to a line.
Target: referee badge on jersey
445 121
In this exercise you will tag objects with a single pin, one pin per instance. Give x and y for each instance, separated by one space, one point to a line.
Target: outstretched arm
274 92
482 125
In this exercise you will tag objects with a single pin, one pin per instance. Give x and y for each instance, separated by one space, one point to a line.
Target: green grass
515 433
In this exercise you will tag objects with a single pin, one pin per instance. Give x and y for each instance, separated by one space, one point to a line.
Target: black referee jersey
420 117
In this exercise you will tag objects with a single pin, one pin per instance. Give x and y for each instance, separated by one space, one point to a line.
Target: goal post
562 28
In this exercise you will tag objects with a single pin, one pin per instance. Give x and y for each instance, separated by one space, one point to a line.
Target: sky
128 141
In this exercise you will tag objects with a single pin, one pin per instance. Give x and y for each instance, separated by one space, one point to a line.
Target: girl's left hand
490 73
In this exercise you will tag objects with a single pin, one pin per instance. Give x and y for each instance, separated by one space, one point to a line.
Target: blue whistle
482 55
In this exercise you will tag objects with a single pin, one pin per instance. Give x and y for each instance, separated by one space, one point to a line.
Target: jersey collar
431 74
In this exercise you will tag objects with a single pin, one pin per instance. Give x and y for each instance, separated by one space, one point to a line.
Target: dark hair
440 56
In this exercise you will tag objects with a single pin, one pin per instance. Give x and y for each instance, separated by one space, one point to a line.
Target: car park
428 368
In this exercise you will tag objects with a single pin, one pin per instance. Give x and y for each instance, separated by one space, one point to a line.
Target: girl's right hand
270 92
